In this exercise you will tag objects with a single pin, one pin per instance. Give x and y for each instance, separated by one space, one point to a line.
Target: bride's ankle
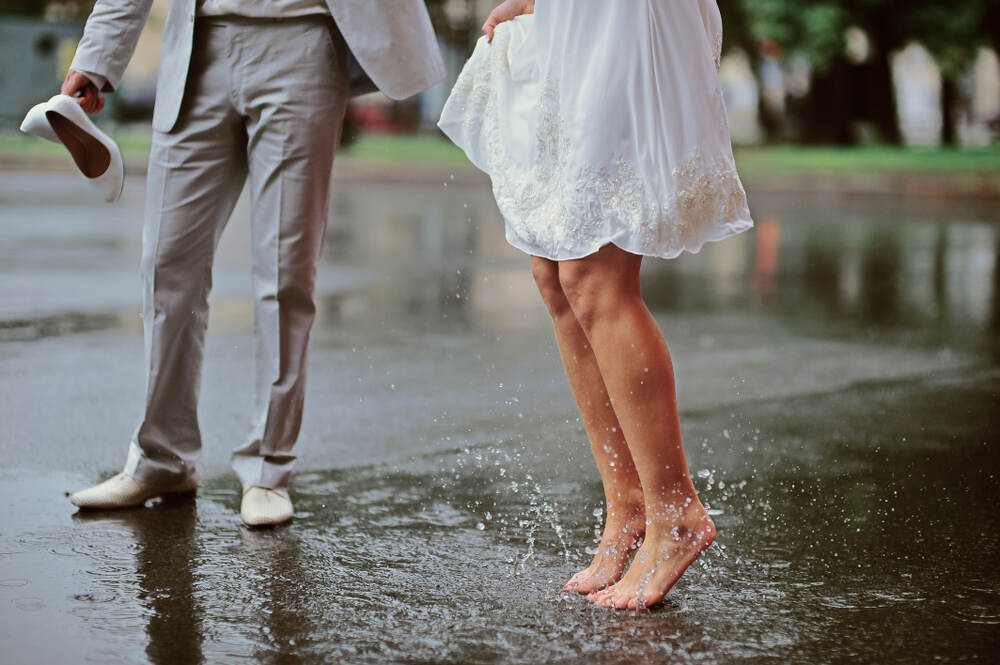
675 508
626 513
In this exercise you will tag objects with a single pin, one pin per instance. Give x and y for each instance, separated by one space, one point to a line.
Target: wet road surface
839 381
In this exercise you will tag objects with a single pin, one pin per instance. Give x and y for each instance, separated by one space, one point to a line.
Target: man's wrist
98 80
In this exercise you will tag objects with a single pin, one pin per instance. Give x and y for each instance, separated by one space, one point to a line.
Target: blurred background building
816 71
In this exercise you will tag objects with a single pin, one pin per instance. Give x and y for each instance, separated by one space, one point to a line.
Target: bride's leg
622 493
603 292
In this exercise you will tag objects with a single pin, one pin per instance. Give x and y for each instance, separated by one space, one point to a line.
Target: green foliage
26 7
951 31
823 26
62 9
777 20
845 93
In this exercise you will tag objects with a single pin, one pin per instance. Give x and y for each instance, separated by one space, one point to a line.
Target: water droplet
480 526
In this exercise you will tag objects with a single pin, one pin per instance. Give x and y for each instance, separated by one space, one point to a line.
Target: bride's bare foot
674 539
623 531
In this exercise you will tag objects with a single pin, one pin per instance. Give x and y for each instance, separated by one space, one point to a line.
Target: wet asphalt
839 383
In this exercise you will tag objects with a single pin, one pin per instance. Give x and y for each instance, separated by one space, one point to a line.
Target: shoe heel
36 124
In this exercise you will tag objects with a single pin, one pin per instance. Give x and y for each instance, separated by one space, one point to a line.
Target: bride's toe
598 596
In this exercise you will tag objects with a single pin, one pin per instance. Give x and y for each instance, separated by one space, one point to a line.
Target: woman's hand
505 11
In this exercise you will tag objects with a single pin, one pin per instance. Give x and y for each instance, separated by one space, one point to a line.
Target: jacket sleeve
109 39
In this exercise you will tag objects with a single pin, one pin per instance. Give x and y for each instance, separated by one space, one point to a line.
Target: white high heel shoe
61 120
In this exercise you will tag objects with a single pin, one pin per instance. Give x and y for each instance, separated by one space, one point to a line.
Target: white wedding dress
602 121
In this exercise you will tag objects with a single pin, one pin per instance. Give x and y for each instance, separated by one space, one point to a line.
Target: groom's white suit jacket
392 40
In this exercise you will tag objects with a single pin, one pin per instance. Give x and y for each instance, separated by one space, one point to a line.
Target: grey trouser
265 99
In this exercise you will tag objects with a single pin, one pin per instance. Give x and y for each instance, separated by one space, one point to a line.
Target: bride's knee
546 274
588 293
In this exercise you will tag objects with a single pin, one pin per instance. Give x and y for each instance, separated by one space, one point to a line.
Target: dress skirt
603 121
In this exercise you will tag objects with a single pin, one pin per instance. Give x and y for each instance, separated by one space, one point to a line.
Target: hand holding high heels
90 97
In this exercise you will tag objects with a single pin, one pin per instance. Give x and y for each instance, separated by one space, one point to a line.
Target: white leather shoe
265 507
124 491
61 120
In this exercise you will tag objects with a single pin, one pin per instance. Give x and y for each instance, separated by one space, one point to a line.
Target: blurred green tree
844 92
30 7
953 34
64 9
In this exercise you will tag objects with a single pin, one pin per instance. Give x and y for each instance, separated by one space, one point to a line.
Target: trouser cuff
271 471
158 472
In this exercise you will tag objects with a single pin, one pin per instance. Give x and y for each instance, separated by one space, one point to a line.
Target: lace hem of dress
561 210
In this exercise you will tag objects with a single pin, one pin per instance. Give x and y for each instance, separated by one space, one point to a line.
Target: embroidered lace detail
707 193
562 208
717 50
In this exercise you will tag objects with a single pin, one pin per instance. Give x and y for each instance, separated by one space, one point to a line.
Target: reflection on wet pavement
839 376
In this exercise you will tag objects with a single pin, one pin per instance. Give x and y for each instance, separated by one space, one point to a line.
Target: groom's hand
90 97
505 12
